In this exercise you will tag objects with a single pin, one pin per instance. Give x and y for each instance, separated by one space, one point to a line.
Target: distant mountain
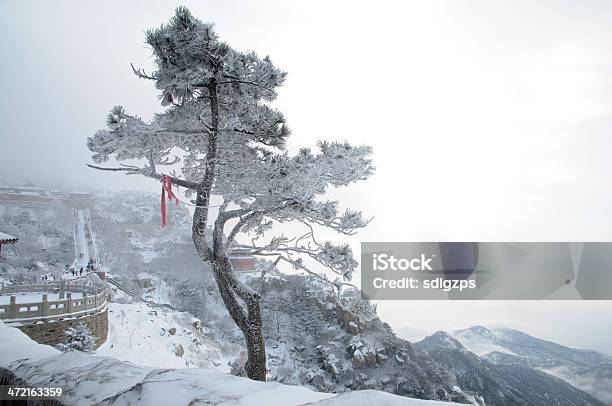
533 351
501 384
439 340
588 370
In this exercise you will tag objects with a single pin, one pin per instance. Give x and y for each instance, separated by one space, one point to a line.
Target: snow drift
93 380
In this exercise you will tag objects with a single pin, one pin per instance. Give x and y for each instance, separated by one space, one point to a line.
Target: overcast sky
490 120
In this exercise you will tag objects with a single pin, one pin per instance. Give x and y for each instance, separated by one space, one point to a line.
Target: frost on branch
352 302
224 138
252 169
338 258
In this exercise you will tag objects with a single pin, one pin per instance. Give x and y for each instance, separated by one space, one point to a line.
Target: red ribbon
166 187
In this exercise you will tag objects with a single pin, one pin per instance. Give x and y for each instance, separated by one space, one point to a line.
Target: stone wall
52 332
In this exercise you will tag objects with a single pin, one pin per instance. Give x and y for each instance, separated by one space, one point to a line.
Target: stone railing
94 298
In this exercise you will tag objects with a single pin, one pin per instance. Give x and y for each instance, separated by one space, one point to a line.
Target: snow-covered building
26 196
6 239
80 199
242 261
32 195
80 195
31 190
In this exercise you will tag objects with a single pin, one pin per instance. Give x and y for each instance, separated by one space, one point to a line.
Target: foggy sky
490 120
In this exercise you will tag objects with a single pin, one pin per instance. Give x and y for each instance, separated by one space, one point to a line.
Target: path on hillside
85 249
84 242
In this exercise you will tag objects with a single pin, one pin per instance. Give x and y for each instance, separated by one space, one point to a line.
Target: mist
490 120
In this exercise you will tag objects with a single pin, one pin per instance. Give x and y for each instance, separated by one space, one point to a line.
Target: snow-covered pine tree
232 144
79 338
352 302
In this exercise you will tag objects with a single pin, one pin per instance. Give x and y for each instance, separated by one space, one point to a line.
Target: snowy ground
34 297
88 380
160 338
376 398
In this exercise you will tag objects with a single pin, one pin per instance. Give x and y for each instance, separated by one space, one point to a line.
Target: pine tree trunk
251 325
248 316
255 366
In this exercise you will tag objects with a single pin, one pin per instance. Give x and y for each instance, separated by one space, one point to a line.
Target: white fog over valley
488 123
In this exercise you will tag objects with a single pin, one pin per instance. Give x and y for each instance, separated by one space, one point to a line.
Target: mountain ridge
588 370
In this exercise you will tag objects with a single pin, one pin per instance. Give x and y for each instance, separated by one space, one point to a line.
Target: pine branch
141 73
124 169
133 170
298 265
234 80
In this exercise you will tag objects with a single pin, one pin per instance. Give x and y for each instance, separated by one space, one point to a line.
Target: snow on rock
363 355
89 379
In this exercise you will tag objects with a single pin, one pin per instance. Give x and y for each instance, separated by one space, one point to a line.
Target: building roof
7 239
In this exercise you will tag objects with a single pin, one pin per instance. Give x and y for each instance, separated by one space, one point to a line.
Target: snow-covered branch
299 265
337 258
141 73
132 170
